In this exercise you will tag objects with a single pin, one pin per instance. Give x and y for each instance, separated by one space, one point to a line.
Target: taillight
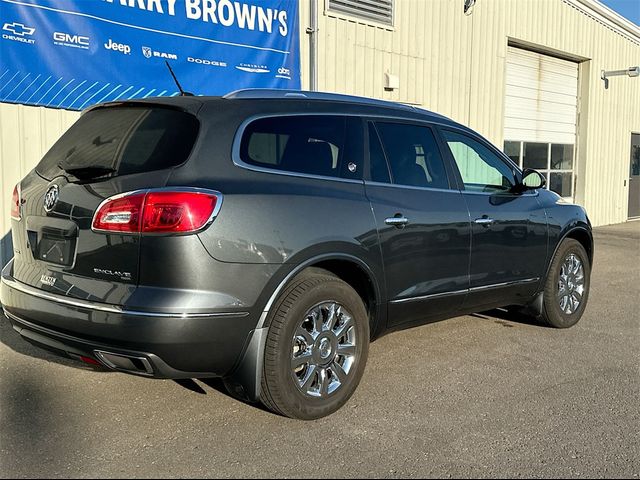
177 211
15 203
157 211
120 214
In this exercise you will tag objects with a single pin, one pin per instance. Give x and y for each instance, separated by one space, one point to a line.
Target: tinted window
379 168
325 145
561 157
535 155
480 168
413 155
121 141
512 149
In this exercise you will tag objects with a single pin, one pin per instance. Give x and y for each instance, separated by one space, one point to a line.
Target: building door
634 177
541 98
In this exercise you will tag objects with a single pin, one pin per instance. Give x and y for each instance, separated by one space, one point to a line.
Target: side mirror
532 180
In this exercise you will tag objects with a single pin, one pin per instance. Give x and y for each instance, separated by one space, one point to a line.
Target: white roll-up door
541 98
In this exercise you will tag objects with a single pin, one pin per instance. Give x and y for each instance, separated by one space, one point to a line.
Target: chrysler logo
50 198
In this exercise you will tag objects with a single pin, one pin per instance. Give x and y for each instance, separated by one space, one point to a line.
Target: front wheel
316 347
567 285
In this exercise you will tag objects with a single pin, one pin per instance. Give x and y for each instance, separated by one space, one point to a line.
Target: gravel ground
476 396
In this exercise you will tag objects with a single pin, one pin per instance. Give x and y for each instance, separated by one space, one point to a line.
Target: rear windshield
122 140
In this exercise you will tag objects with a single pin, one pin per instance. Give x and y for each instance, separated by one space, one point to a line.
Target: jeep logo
284 71
118 47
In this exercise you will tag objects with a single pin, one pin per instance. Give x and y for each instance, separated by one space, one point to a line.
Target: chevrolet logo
18 29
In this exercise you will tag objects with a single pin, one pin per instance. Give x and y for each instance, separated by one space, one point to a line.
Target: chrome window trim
237 141
105 307
468 290
207 191
411 187
528 193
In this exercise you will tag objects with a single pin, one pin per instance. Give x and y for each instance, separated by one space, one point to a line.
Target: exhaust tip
125 363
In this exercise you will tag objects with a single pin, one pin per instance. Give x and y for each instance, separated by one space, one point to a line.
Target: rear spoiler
185 104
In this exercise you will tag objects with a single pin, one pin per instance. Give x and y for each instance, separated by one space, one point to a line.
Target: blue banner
75 53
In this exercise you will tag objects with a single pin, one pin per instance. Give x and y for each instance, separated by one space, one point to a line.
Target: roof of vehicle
193 103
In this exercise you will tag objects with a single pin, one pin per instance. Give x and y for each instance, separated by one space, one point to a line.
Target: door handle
484 221
398 221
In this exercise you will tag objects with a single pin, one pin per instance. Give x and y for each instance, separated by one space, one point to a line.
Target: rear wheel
316 347
567 286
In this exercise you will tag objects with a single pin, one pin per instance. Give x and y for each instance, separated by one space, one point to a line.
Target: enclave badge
50 198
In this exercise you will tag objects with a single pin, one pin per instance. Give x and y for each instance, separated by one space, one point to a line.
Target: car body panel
198 304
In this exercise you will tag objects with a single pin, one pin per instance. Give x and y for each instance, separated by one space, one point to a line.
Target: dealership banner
76 53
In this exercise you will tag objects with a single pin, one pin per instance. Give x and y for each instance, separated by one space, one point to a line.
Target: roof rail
266 93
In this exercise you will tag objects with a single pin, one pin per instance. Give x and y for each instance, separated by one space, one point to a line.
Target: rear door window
107 142
377 159
326 145
413 155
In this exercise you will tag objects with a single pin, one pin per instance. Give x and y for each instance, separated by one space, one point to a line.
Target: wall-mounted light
631 72
468 5
391 82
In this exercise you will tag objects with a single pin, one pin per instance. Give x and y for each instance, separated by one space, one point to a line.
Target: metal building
524 73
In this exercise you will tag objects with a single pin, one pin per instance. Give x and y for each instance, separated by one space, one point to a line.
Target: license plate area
52 240
56 249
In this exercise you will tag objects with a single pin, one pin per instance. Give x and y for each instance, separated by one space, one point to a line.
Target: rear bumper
146 343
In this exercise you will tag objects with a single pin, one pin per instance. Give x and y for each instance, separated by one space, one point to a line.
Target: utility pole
312 31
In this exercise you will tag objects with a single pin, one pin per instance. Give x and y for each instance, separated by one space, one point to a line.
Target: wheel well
583 237
353 274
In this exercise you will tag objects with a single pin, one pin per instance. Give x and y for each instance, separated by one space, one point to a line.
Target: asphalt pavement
486 395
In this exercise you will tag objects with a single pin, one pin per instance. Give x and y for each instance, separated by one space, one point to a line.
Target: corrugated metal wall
455 64
448 62
26 133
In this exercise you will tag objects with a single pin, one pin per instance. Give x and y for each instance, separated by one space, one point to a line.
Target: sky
629 9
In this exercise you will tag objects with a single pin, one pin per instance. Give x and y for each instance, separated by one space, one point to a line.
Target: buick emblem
50 198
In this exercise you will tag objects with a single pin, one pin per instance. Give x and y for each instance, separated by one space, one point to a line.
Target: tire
559 309
340 352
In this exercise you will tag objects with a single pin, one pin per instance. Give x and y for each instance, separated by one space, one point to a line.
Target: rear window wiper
87 172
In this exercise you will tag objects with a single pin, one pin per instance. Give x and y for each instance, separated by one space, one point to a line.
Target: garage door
541 98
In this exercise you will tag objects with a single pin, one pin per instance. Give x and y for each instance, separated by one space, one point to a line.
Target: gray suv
266 237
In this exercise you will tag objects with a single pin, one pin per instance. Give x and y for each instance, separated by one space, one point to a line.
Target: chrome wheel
323 350
571 284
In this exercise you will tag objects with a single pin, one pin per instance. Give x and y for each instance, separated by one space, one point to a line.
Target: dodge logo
50 198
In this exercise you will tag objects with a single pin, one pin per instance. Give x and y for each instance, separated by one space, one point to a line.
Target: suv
266 237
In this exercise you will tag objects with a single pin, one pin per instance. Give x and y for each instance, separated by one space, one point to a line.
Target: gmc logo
73 39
